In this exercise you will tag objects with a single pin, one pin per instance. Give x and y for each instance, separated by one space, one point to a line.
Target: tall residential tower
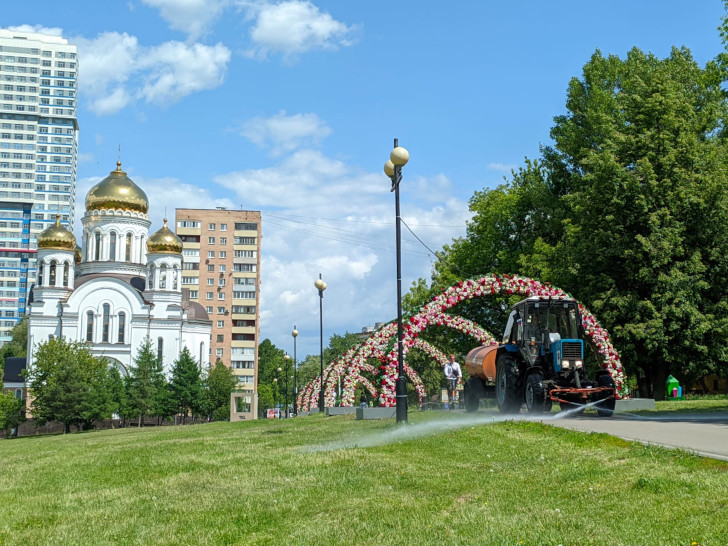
221 269
38 154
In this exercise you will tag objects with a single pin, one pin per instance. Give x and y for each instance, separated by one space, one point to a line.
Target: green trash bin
670 385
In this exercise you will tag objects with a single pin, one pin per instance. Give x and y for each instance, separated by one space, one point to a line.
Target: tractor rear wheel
535 393
473 393
606 407
508 392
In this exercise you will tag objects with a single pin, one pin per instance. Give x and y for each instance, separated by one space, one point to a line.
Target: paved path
705 434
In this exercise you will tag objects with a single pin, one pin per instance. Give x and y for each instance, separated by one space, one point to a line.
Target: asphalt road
705 434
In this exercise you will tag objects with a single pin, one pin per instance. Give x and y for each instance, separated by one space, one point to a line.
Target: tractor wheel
508 391
473 394
535 393
605 408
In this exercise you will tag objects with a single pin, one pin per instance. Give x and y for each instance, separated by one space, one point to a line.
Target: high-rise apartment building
38 153
221 269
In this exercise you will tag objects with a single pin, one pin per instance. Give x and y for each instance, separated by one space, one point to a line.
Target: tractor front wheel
537 400
508 393
606 407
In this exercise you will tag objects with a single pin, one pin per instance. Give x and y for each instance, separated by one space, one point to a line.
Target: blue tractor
539 361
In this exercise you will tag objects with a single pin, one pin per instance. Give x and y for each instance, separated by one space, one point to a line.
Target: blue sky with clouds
290 108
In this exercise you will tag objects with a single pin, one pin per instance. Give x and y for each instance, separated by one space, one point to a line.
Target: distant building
222 272
13 381
38 154
122 287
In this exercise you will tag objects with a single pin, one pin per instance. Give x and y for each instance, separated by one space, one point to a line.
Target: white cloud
40 29
194 17
116 70
285 133
320 215
294 27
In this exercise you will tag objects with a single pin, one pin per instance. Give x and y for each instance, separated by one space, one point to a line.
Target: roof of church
13 366
195 311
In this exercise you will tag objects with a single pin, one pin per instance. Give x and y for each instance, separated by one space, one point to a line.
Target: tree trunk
66 428
140 420
659 376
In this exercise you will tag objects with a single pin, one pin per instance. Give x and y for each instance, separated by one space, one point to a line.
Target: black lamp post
287 358
321 286
295 379
275 395
393 169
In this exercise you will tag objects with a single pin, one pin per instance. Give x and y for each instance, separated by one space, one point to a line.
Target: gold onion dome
117 191
56 237
164 242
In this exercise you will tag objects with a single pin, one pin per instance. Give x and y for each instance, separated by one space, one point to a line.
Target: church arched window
150 280
112 246
66 271
175 277
122 327
127 256
105 324
52 276
41 266
90 326
160 348
97 250
163 277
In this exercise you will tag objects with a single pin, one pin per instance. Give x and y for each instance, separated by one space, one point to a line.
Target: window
220 323
246 253
222 268
210 282
194 294
188 224
112 246
210 240
223 254
220 310
211 227
223 240
208 309
52 274
220 338
221 295
97 251
105 328
90 326
66 269
127 252
246 240
160 348
221 282
223 227
210 253
190 280
209 296
246 226
122 327
211 267
218 353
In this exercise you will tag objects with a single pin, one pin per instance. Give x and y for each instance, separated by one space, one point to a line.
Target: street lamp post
275 396
393 169
321 286
279 370
287 358
295 379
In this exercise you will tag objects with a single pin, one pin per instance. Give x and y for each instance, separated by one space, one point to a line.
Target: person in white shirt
452 374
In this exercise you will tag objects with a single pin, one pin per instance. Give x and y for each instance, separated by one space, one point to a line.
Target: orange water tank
480 362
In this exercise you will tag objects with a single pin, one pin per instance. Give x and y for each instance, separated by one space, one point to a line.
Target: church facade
120 287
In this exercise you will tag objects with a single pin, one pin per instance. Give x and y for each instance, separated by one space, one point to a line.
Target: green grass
694 404
268 482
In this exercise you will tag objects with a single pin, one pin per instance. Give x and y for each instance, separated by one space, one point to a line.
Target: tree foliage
145 376
627 211
219 385
186 385
68 384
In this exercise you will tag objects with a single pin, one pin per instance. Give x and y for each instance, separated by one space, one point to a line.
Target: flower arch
354 362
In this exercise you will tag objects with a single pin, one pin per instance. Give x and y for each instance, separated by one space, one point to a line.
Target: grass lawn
449 479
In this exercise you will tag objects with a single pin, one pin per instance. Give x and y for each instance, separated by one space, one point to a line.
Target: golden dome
117 191
164 242
56 237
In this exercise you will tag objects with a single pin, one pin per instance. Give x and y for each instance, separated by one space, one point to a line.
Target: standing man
452 374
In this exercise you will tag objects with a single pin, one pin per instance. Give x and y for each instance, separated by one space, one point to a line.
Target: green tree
68 384
11 408
144 378
18 344
219 385
186 385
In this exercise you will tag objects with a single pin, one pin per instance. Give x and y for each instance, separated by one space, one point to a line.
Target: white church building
122 287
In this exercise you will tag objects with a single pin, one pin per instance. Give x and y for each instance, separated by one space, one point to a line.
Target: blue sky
290 108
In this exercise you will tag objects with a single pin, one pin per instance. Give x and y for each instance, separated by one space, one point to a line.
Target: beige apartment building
221 270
